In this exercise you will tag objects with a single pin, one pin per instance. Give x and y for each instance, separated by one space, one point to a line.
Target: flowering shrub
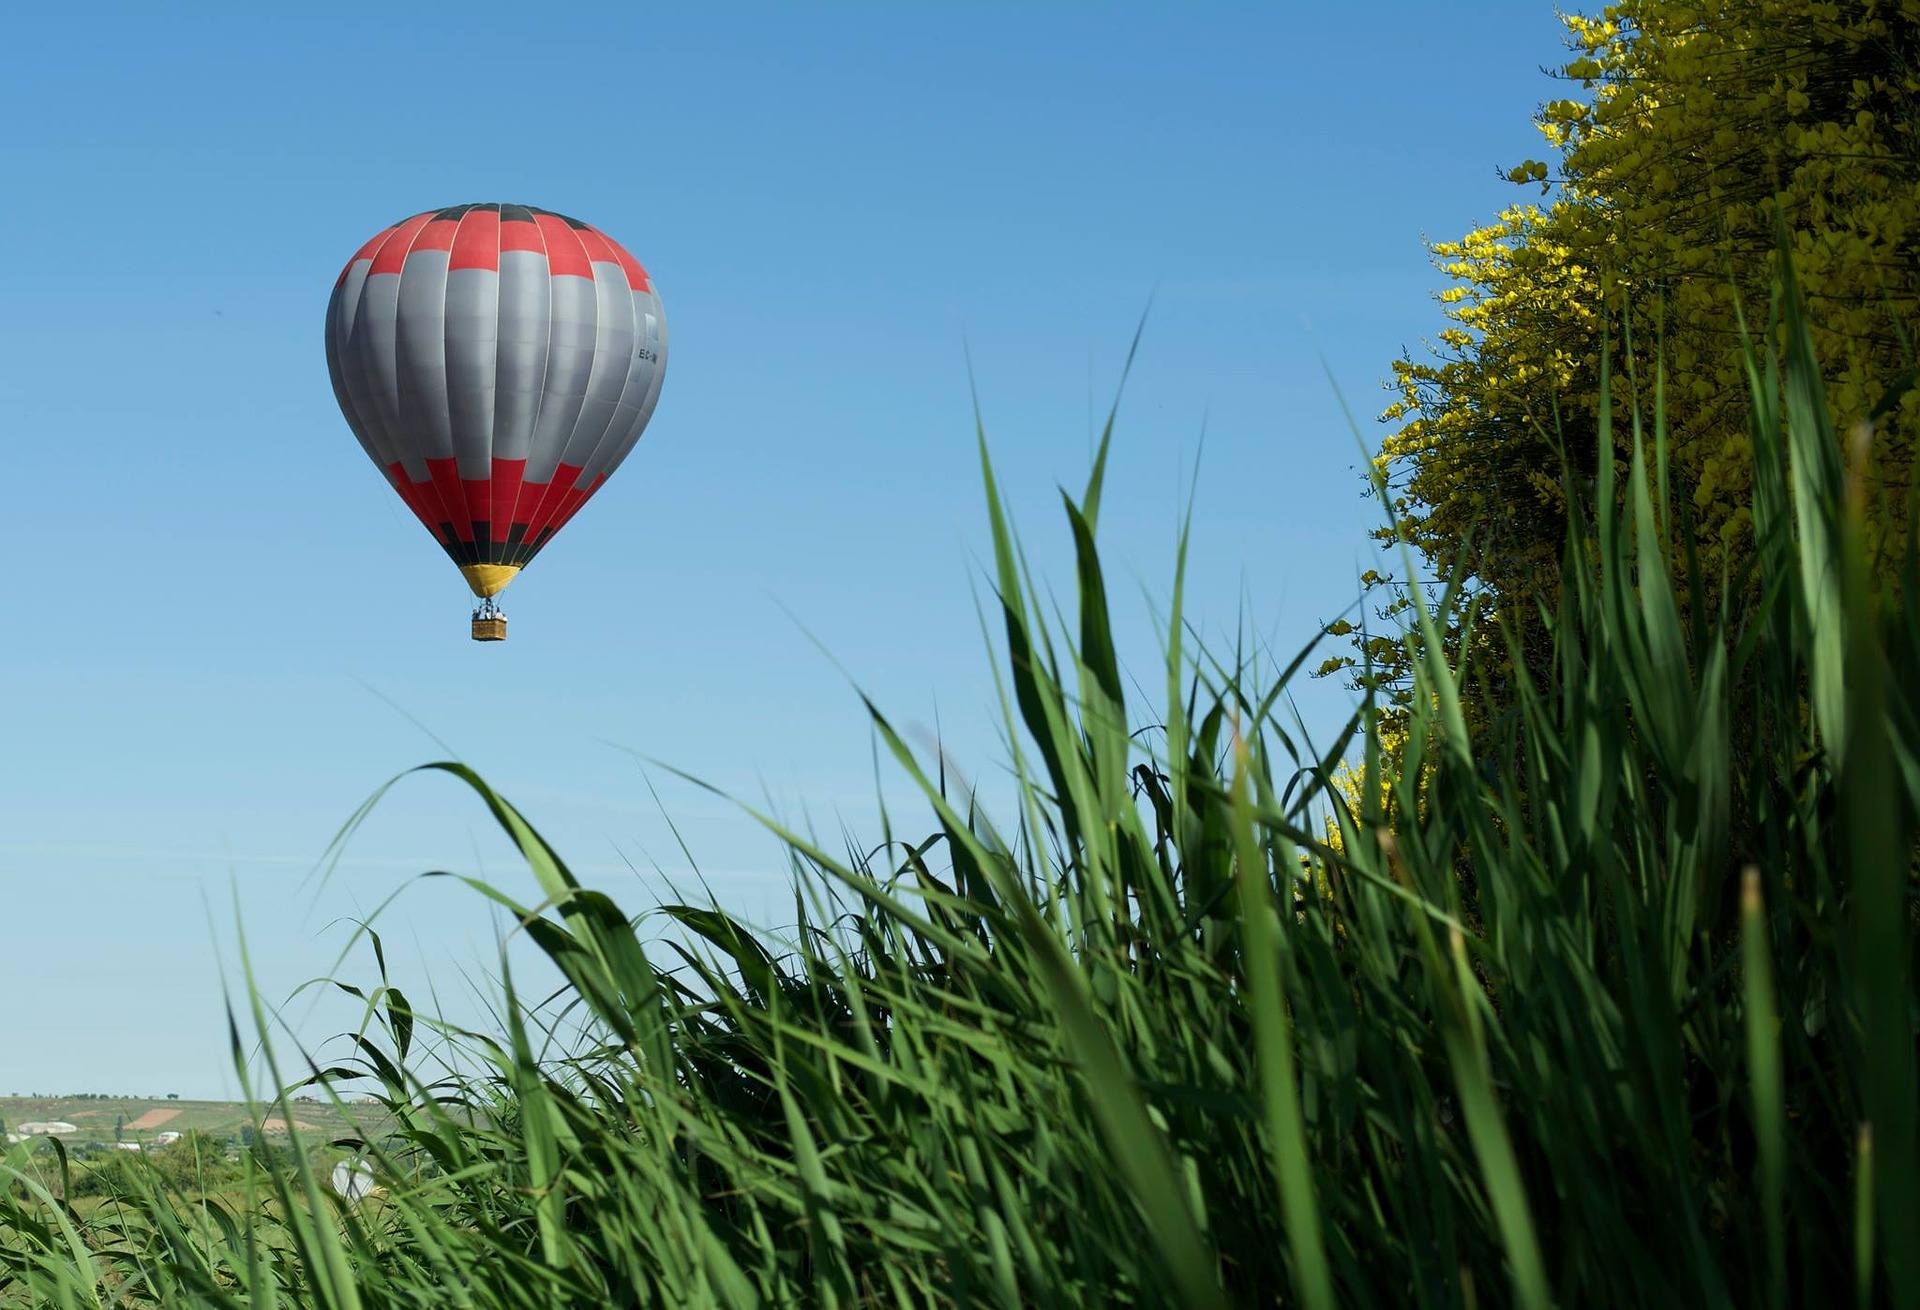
1703 133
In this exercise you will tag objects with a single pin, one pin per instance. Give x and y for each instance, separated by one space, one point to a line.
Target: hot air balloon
497 362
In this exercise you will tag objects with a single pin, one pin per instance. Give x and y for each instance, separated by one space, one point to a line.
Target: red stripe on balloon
392 254
475 493
552 497
364 252
566 257
521 234
373 244
599 249
436 235
477 244
507 480
414 496
575 499
636 276
532 507
445 499
452 496
605 250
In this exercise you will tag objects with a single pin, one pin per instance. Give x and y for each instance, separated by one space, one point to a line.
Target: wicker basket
494 629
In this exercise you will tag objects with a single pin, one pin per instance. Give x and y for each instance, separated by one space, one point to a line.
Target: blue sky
222 631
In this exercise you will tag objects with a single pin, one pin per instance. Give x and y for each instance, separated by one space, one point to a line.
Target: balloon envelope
497 362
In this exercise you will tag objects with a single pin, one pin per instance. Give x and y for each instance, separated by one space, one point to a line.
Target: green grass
1603 994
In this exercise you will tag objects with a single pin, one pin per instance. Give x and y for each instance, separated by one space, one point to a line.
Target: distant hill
102 1120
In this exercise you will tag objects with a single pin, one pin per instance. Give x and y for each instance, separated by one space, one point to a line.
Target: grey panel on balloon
612 355
346 337
629 415
422 341
356 378
526 291
340 314
569 364
370 356
653 338
656 319
472 346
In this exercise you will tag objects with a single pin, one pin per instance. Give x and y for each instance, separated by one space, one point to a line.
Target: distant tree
195 1160
119 1125
173 1096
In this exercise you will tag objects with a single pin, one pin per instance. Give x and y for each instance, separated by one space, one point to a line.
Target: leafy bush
1691 133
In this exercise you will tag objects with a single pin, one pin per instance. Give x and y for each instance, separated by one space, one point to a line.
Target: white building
46 1128
353 1179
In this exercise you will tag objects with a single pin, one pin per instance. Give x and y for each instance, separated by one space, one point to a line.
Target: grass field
1607 999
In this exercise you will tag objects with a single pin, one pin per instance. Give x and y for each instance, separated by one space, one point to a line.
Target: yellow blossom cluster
1700 129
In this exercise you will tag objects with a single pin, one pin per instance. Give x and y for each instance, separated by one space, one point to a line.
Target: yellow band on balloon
488 579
